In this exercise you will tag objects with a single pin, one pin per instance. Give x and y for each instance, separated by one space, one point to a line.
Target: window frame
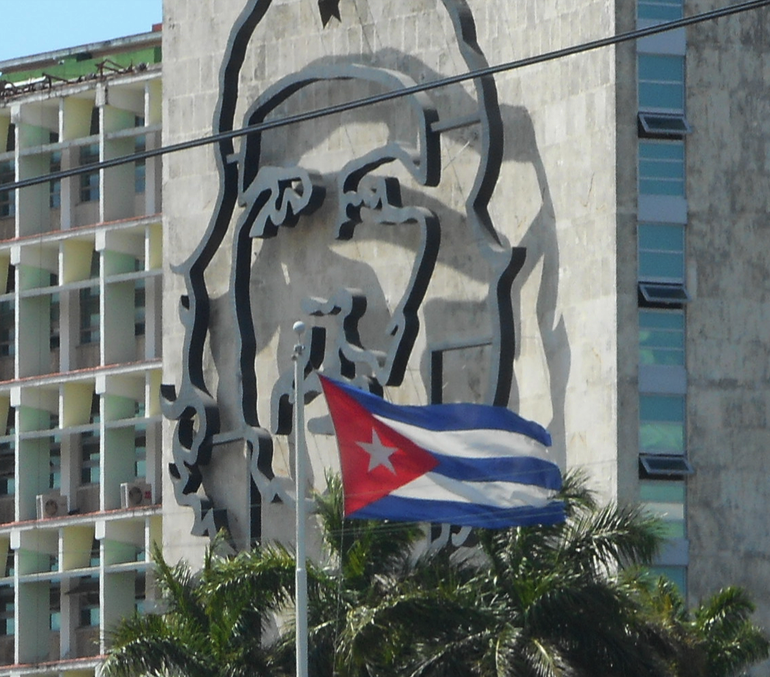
89 181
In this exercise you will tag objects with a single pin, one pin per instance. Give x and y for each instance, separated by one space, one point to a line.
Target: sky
33 26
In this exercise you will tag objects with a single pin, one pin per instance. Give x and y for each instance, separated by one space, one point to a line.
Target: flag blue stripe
440 417
460 514
521 469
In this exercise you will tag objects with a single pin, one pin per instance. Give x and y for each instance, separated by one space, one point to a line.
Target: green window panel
662 424
660 82
661 337
660 10
666 500
661 168
661 252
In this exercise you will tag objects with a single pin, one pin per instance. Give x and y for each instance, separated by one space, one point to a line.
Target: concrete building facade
579 240
80 351
599 221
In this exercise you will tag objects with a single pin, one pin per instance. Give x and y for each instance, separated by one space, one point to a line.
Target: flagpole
300 572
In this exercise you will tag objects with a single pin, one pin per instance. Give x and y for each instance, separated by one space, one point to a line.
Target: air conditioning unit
51 505
135 494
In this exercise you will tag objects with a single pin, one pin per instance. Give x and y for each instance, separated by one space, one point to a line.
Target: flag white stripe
486 443
433 486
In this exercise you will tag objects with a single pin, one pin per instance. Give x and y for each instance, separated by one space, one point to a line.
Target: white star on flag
379 454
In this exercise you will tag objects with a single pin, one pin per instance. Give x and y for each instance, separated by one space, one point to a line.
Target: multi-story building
80 349
580 240
602 221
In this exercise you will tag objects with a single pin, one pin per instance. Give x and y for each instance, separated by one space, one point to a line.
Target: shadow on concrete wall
368 319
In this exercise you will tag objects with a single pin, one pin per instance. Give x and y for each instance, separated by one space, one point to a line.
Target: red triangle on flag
375 459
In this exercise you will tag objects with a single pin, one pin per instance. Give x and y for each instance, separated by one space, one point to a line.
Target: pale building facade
80 351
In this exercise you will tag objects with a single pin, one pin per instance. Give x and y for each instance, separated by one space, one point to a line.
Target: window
661 168
670 467
95 554
93 127
661 82
88 592
10 424
139 592
89 182
659 10
7 197
659 294
7 626
54 187
89 610
662 424
89 468
661 252
89 315
54 339
54 463
7 329
663 126
95 415
139 308
7 469
140 167
140 447
661 337
10 139
54 607
665 500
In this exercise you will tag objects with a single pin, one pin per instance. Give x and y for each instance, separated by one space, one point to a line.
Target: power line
396 94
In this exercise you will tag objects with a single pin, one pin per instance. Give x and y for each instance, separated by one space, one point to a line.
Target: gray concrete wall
570 304
728 321
627 448
557 196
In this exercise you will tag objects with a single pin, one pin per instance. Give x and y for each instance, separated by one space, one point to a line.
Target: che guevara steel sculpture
261 197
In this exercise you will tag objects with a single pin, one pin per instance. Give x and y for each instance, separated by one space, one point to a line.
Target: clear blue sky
33 26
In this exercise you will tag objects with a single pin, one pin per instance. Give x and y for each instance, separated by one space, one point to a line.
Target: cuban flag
461 464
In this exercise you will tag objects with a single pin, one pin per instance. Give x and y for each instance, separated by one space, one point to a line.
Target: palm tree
559 601
363 563
716 639
214 622
537 601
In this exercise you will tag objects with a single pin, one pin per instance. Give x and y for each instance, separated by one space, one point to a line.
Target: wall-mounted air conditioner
51 505
135 494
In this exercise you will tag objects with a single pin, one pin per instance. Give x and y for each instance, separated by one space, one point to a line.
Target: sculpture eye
278 196
377 193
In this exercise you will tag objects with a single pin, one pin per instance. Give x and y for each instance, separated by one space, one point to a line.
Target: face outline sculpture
275 197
